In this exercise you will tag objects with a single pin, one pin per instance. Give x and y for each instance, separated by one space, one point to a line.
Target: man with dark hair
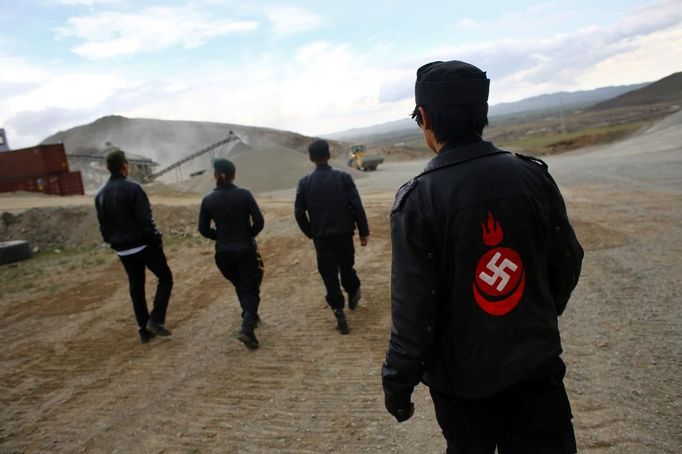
484 261
126 223
327 209
237 220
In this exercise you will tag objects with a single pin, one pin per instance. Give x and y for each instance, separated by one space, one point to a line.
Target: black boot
354 299
158 328
145 336
246 334
341 322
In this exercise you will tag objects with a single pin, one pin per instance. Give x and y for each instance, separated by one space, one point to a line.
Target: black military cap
450 83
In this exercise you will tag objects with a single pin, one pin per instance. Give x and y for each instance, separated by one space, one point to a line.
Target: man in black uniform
237 221
126 223
484 261
327 209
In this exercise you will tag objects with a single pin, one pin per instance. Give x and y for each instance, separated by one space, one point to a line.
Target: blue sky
311 67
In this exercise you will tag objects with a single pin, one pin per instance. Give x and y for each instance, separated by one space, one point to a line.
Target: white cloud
325 87
287 20
646 38
39 100
19 71
110 34
468 24
534 17
69 91
88 2
639 63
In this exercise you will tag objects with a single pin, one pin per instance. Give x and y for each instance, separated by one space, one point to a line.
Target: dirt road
74 378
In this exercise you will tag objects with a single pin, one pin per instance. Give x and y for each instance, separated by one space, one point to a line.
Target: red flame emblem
492 233
500 277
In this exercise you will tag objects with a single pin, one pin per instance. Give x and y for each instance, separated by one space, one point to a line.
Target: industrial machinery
358 160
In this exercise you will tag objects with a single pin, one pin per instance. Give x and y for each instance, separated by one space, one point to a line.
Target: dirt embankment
68 227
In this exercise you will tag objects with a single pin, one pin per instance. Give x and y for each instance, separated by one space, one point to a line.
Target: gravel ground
74 378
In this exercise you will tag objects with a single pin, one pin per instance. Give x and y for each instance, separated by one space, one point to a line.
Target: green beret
224 166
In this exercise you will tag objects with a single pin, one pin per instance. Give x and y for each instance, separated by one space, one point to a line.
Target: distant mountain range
666 90
564 100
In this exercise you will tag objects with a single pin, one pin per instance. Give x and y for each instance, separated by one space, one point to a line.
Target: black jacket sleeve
100 218
300 208
565 252
413 301
355 204
204 226
256 216
143 216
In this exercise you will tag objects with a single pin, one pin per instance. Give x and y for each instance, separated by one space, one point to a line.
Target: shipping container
18 185
71 183
33 162
55 158
47 184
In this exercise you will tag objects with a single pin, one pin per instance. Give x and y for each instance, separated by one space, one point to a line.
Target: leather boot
246 334
341 322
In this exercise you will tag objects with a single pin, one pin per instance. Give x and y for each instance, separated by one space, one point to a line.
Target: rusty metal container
71 183
33 162
18 185
55 158
48 184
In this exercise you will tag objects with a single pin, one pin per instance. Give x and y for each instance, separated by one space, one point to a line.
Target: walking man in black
237 220
126 223
327 209
484 261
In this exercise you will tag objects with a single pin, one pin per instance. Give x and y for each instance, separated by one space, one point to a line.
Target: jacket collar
117 176
322 167
453 155
225 186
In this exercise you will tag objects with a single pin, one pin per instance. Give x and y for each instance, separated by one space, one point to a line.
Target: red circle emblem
500 280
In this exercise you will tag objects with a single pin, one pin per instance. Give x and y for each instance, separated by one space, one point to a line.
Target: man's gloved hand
399 406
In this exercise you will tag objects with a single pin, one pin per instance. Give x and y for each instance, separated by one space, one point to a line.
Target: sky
312 67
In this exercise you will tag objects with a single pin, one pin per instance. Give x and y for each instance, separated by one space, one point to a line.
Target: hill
667 90
266 159
166 141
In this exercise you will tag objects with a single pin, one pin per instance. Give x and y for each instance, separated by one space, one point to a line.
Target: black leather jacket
236 216
484 261
125 217
327 203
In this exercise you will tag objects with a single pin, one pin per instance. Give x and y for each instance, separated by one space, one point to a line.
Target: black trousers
528 417
336 255
241 267
151 257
